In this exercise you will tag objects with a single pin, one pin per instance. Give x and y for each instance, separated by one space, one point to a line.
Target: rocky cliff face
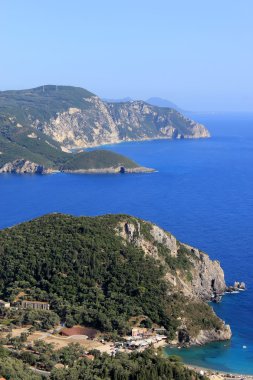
213 335
74 117
21 166
190 272
100 123
205 275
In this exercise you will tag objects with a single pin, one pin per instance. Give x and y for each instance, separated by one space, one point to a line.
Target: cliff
197 277
75 117
104 271
108 123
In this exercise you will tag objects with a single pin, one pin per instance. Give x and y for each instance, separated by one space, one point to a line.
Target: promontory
43 130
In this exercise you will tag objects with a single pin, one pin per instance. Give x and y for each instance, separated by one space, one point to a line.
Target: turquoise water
202 193
226 356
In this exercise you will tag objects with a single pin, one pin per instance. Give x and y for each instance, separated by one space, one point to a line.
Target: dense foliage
14 369
97 159
42 319
42 102
136 366
91 275
86 272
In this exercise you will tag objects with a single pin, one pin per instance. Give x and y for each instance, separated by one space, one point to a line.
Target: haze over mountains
153 101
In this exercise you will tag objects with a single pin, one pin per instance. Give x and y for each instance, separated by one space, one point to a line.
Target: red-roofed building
79 330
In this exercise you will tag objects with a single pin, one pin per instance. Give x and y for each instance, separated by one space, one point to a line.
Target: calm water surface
202 192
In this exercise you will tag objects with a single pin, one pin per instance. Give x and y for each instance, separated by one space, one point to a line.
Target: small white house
4 304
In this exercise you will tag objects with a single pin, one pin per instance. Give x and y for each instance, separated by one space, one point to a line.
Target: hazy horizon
197 55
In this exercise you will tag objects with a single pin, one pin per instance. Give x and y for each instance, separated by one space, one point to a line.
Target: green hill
98 159
105 270
40 103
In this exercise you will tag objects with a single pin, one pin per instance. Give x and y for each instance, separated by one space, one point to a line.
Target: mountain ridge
41 125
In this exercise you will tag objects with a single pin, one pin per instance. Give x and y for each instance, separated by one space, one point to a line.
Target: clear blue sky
197 53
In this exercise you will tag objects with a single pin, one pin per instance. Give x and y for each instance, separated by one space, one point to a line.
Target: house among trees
36 305
139 331
4 304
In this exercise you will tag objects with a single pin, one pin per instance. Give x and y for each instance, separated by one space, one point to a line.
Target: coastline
80 148
118 170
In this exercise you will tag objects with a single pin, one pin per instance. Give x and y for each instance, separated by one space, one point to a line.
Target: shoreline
222 374
75 148
109 170
136 170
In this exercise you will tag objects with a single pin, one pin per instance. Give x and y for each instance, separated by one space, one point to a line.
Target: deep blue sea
202 192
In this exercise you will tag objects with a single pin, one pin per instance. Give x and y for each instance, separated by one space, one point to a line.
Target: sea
202 192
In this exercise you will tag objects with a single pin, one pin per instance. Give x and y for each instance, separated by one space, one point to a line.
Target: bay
202 192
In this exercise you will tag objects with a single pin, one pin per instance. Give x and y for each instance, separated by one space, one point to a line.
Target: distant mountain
41 125
123 100
160 102
153 101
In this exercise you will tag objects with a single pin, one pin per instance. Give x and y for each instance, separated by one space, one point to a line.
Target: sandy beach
216 375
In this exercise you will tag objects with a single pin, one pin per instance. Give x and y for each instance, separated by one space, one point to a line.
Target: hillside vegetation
97 159
34 146
136 366
40 103
92 275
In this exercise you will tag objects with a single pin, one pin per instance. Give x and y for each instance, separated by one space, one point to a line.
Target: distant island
43 129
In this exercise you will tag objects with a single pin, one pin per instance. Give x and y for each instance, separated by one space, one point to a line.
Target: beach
218 375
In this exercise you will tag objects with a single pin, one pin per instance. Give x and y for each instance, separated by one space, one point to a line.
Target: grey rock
207 336
22 166
101 123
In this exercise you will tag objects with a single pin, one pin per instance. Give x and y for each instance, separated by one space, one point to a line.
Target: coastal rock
236 287
208 276
110 170
207 336
21 166
240 285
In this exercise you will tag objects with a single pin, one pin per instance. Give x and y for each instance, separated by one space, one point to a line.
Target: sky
196 53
